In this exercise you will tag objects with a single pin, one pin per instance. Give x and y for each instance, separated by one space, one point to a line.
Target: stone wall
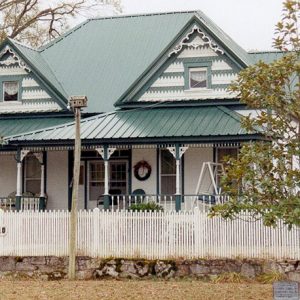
55 268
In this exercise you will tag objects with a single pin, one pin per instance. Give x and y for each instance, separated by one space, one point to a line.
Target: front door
118 181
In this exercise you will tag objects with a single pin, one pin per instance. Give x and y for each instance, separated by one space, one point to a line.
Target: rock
44 277
198 270
111 271
294 276
128 267
248 270
272 266
23 266
182 271
7 264
163 269
35 260
84 275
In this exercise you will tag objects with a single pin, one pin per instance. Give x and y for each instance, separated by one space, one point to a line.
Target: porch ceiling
151 124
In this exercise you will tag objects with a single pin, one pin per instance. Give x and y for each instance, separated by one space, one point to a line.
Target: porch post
177 153
105 153
20 156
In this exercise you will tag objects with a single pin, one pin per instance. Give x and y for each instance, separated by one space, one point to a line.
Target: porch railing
167 202
27 203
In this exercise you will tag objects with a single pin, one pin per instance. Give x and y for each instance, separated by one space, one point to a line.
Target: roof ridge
61 37
80 25
121 16
22 45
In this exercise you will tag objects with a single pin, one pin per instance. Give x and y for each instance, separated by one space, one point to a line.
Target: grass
125 289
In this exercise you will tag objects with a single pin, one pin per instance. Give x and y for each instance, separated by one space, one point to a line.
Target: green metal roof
266 56
197 123
14 126
104 58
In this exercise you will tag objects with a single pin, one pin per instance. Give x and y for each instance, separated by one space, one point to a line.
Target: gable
195 49
32 95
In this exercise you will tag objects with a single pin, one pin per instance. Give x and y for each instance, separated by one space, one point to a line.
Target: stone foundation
55 268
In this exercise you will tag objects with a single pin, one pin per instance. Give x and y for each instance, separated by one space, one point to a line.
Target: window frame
160 174
9 78
188 66
88 181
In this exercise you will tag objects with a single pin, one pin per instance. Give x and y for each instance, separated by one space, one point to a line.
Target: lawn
150 289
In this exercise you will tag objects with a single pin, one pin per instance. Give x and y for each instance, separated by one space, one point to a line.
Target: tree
35 22
265 178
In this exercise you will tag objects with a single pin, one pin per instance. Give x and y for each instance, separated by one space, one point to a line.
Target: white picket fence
150 235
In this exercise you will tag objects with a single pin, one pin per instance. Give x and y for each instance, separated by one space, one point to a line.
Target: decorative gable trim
205 40
13 60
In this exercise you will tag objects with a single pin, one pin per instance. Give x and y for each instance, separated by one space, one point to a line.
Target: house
158 109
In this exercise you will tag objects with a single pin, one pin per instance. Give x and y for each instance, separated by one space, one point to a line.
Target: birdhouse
78 102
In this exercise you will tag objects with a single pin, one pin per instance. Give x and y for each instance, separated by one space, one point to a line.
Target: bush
150 206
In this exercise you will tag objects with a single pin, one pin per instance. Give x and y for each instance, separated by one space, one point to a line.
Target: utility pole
75 103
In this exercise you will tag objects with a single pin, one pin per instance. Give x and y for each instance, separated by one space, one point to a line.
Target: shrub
271 277
149 206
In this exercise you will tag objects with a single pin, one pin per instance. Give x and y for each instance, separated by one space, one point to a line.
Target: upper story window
198 78
10 90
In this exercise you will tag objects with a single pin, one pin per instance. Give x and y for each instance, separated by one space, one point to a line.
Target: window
117 178
198 78
96 180
168 173
32 175
10 90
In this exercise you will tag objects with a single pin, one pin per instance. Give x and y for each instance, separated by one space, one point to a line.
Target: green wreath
142 170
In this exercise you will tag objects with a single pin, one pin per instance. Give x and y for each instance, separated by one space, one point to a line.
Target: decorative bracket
205 41
181 151
101 152
23 154
39 156
14 59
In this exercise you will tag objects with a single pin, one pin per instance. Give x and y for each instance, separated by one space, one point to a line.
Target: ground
150 289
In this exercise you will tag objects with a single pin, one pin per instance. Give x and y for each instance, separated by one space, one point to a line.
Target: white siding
57 180
193 160
8 175
149 186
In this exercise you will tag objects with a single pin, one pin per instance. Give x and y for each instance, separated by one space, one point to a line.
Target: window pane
168 163
33 186
10 90
198 79
168 185
32 175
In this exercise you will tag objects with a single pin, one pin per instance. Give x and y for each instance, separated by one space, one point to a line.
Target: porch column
177 152
20 156
42 201
105 152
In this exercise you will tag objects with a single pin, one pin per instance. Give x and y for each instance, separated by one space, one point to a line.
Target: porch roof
17 125
149 124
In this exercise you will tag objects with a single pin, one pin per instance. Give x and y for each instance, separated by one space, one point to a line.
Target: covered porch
128 157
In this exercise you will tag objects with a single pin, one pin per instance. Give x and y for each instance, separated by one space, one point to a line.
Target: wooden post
178 193
76 103
73 216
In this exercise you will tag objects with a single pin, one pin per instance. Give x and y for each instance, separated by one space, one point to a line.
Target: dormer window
10 91
197 75
198 78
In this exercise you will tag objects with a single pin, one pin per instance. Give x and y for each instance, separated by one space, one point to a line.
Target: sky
250 23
